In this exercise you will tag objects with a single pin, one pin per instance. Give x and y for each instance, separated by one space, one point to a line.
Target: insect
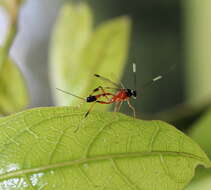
121 95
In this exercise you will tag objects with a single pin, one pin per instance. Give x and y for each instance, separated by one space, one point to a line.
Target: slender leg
86 114
89 110
131 107
118 106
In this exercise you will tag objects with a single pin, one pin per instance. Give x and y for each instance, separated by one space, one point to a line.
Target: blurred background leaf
202 184
198 47
200 132
201 180
104 51
198 43
71 33
13 91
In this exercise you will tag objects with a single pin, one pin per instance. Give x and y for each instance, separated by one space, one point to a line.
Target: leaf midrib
101 158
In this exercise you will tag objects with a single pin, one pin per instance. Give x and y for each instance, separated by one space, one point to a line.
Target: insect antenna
134 76
149 83
157 78
71 94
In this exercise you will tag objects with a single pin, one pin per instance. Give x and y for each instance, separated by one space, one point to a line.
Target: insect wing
108 80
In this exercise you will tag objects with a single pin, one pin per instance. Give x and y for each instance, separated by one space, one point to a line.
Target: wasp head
131 93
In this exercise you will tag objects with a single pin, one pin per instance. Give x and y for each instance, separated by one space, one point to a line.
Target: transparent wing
108 80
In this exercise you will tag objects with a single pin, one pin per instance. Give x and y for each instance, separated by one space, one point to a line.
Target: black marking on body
131 92
91 99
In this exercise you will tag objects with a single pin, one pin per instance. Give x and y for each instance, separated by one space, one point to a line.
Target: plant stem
13 7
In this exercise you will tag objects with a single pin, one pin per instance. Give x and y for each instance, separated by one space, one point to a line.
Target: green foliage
39 149
198 45
77 52
201 181
13 92
202 184
201 134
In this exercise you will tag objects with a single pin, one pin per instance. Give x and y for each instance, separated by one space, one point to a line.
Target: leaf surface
40 150
77 53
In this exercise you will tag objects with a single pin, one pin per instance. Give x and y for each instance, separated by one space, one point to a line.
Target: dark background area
156 45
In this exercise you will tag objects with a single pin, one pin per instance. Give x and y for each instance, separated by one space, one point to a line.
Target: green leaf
198 56
70 36
40 149
200 132
204 184
202 180
78 54
13 91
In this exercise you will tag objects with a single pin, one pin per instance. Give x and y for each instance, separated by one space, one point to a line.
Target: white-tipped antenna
149 83
157 78
134 67
134 74
84 99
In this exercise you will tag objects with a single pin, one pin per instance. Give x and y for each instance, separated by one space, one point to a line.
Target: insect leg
117 106
86 114
89 110
131 107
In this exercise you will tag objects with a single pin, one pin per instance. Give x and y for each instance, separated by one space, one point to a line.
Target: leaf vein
101 158
32 126
87 150
123 176
155 134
